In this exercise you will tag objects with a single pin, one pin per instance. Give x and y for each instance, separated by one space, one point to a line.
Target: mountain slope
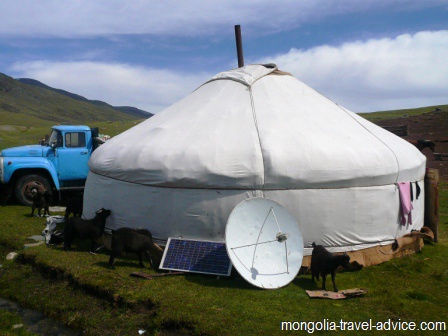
126 109
20 101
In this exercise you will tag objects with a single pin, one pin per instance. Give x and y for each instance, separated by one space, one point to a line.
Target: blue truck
59 163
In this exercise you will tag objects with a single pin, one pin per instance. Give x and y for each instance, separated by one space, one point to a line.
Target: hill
39 104
404 113
133 111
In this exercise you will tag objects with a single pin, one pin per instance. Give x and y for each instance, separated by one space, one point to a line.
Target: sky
366 55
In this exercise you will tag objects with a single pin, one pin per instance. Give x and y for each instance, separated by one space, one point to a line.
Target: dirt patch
8 128
429 126
35 322
11 128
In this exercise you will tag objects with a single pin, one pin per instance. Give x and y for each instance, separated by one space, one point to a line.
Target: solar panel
196 256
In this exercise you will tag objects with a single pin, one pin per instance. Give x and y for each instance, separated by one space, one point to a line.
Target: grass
382 115
80 289
10 324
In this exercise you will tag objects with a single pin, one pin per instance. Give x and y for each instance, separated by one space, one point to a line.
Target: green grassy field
81 290
381 115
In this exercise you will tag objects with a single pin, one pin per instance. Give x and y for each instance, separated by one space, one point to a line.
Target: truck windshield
55 138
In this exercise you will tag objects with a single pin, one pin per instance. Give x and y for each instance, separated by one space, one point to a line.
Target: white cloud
80 18
116 84
379 74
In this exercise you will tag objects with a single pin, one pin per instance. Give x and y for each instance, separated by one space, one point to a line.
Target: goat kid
131 240
5 193
323 262
55 238
81 228
74 206
41 200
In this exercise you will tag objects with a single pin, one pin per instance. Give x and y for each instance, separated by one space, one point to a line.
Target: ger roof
249 128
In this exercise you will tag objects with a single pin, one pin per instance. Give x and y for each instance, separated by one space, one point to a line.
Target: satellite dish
264 243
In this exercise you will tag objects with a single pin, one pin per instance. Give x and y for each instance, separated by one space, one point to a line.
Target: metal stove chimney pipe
239 46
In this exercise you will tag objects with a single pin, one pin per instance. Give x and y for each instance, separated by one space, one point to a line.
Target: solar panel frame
196 256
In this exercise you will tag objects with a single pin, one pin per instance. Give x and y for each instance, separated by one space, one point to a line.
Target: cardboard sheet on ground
344 294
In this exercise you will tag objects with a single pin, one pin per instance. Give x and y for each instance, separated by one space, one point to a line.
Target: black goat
85 228
131 240
55 238
74 206
5 193
42 200
323 262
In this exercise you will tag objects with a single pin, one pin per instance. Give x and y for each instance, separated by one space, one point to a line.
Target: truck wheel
28 185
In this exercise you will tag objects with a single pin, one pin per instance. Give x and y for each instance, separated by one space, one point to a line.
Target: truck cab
60 163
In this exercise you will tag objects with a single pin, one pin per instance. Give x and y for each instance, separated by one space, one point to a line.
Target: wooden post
432 201
239 46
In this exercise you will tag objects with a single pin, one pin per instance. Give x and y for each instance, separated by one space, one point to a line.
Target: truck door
73 156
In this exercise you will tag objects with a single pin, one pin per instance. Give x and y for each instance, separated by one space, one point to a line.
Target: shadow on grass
235 280
125 264
209 280
304 282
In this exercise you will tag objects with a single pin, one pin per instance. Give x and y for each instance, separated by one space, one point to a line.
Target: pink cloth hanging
405 201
